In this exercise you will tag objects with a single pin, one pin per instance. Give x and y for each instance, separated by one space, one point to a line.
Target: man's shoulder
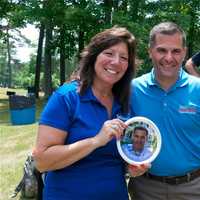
194 81
141 80
148 150
127 146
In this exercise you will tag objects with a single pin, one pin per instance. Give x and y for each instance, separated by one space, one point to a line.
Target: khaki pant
142 188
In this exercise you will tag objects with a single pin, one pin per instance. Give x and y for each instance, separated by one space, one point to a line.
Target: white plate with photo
141 141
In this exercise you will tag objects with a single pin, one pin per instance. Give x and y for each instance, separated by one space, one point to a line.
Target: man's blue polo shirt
98 176
177 115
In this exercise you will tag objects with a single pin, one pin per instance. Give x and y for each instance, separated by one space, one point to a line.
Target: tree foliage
69 24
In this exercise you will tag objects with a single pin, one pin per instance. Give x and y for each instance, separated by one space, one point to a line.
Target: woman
76 143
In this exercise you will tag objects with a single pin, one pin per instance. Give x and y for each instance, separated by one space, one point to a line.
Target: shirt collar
89 96
181 81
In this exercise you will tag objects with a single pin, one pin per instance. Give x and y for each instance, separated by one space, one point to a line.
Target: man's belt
174 180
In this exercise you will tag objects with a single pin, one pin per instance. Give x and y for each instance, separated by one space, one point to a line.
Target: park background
64 28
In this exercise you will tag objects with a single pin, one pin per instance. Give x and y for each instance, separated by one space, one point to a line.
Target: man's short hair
141 128
166 28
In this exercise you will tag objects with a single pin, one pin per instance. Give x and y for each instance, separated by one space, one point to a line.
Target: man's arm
192 63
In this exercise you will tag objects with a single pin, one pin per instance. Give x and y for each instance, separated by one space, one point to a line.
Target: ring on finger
114 126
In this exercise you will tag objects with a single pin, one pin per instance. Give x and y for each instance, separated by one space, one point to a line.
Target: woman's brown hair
100 42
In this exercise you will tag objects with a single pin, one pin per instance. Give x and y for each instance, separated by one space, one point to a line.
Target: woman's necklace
102 94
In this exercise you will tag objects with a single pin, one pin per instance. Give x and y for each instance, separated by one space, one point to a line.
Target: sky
23 52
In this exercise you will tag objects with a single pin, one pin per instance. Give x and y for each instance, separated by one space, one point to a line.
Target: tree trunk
48 61
39 61
80 41
9 67
190 38
124 5
62 55
108 11
191 33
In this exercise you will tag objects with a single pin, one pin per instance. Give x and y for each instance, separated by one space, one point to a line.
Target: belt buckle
172 180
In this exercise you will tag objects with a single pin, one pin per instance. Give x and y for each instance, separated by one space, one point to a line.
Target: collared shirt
103 169
176 112
137 156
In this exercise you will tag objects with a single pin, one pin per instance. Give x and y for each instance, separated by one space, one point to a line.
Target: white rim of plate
159 142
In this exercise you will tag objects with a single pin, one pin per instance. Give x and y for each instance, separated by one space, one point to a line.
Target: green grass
16 142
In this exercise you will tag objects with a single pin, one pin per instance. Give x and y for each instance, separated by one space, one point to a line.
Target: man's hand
138 170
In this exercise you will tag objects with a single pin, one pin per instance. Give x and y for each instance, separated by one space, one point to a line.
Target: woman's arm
51 153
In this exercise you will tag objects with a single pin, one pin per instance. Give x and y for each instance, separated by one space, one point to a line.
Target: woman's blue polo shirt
98 176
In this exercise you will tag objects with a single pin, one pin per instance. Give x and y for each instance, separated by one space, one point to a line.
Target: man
169 97
192 64
137 150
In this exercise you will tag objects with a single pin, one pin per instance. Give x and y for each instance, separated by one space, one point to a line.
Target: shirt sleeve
57 112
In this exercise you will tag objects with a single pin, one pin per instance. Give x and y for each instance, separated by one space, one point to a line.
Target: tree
39 61
48 60
193 11
68 25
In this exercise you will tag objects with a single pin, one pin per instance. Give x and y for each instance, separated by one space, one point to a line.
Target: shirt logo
187 109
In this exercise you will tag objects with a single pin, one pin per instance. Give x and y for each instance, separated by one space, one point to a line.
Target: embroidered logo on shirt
187 109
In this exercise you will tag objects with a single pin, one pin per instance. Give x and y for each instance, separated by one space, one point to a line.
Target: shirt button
165 104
